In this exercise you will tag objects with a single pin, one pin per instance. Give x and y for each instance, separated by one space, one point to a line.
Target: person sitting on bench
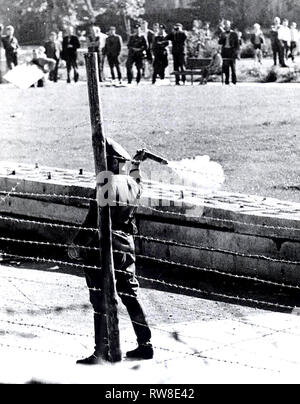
215 67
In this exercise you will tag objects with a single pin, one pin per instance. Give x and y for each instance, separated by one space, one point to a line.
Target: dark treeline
33 19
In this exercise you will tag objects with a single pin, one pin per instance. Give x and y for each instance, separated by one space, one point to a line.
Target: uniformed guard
160 44
178 38
112 49
125 187
137 47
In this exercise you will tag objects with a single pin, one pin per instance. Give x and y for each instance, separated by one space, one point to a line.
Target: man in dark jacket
178 38
70 47
230 50
137 47
125 190
112 49
11 46
160 44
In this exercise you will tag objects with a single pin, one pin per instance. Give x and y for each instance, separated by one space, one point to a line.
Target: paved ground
46 323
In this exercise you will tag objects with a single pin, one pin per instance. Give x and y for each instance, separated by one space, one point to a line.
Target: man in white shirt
96 43
284 35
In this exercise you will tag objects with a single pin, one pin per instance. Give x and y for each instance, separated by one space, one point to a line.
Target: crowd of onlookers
148 49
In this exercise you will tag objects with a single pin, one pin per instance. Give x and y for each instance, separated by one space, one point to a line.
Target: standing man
257 39
155 28
11 46
149 36
284 36
112 50
178 39
125 190
53 51
70 48
160 45
277 46
230 43
137 47
96 43
294 40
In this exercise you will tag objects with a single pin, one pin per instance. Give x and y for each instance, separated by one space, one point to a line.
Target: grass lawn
252 130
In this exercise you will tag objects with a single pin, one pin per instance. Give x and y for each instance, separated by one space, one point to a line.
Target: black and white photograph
149 195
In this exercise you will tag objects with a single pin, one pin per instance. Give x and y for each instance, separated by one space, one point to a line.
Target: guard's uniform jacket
127 191
137 47
112 50
178 40
160 52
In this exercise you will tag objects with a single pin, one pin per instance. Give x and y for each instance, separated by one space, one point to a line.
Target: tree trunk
90 9
50 17
127 25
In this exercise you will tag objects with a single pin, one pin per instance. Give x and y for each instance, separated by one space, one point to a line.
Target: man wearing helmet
125 186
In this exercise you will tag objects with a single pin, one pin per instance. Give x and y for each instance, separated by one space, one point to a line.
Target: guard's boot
101 343
143 352
92 360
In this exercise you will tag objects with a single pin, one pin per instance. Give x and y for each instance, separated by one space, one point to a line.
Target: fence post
1 75
109 294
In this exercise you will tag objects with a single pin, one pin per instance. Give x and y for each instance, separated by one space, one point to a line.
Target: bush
247 51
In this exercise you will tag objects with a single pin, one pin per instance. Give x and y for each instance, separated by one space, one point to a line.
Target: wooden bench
195 67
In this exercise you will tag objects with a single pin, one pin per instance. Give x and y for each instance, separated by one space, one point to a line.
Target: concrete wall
224 229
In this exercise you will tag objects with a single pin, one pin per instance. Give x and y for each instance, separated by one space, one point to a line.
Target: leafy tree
127 9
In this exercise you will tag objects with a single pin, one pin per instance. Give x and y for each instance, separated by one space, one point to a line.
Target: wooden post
109 294
1 76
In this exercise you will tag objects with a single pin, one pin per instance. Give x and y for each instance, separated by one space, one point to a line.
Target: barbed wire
195 354
54 196
215 219
218 250
42 327
8 194
152 239
156 210
22 348
193 310
160 261
226 361
48 244
160 282
46 224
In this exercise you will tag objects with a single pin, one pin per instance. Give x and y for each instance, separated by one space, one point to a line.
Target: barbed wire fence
10 318
179 336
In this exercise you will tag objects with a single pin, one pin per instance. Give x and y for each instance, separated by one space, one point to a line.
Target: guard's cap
114 149
162 26
179 25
